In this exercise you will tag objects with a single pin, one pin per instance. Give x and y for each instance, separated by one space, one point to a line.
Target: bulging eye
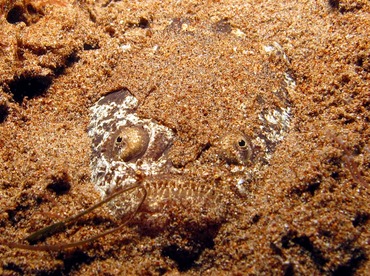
235 148
131 143
242 143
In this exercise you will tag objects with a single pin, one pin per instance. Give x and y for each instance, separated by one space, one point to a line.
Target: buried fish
133 155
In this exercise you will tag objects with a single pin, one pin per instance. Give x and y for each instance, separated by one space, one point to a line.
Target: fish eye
131 143
235 148
242 143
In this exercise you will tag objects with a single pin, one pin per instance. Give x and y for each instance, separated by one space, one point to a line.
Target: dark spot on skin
222 26
162 146
282 95
117 97
176 24
119 139
269 145
97 139
260 100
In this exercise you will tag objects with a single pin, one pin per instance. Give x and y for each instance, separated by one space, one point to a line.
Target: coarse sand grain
296 205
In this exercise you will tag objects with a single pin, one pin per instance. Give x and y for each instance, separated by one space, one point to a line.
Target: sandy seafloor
196 67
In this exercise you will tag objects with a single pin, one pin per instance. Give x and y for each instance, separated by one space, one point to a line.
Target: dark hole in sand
350 267
184 258
144 23
72 261
292 239
14 268
68 62
90 46
334 4
31 9
360 219
4 112
59 186
29 86
16 15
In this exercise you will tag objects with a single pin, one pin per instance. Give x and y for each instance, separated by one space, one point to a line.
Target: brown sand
308 213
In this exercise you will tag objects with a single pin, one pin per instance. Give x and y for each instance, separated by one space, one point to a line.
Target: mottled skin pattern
152 149
209 71
123 143
114 121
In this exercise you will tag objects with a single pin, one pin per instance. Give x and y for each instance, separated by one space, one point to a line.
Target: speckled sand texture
286 81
